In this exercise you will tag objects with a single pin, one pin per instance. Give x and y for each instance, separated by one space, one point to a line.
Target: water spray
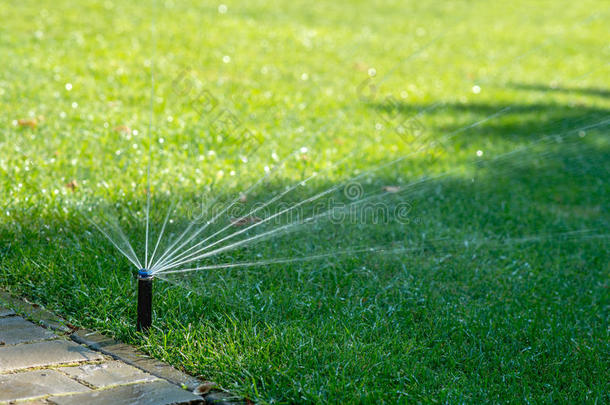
145 284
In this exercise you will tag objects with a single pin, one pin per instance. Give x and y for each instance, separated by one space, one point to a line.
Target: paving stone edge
117 350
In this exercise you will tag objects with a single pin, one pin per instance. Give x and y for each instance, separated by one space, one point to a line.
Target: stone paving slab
132 377
108 374
153 393
131 356
6 312
46 353
35 312
35 384
15 329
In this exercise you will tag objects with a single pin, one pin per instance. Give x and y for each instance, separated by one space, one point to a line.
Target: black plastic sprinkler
145 283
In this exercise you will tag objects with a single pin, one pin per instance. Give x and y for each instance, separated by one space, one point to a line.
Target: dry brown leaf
123 128
72 185
391 189
205 388
25 122
361 66
243 221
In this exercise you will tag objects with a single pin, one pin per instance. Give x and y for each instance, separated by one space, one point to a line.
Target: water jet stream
385 250
200 255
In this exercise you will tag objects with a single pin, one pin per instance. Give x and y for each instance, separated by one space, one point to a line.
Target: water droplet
68 86
226 59
476 89
75 105
479 153
222 9
304 76
304 149
372 72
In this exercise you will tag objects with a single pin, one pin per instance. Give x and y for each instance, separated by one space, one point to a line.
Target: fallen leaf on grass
27 122
242 197
72 185
69 325
245 221
31 303
123 128
391 189
204 388
361 66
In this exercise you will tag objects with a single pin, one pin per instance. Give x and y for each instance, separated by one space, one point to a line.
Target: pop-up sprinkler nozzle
145 282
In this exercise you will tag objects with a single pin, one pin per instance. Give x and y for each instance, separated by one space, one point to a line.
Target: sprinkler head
143 273
145 282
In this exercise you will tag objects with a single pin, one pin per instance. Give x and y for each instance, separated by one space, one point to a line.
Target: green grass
492 320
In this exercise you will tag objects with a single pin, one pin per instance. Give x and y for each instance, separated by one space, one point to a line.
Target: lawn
475 265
